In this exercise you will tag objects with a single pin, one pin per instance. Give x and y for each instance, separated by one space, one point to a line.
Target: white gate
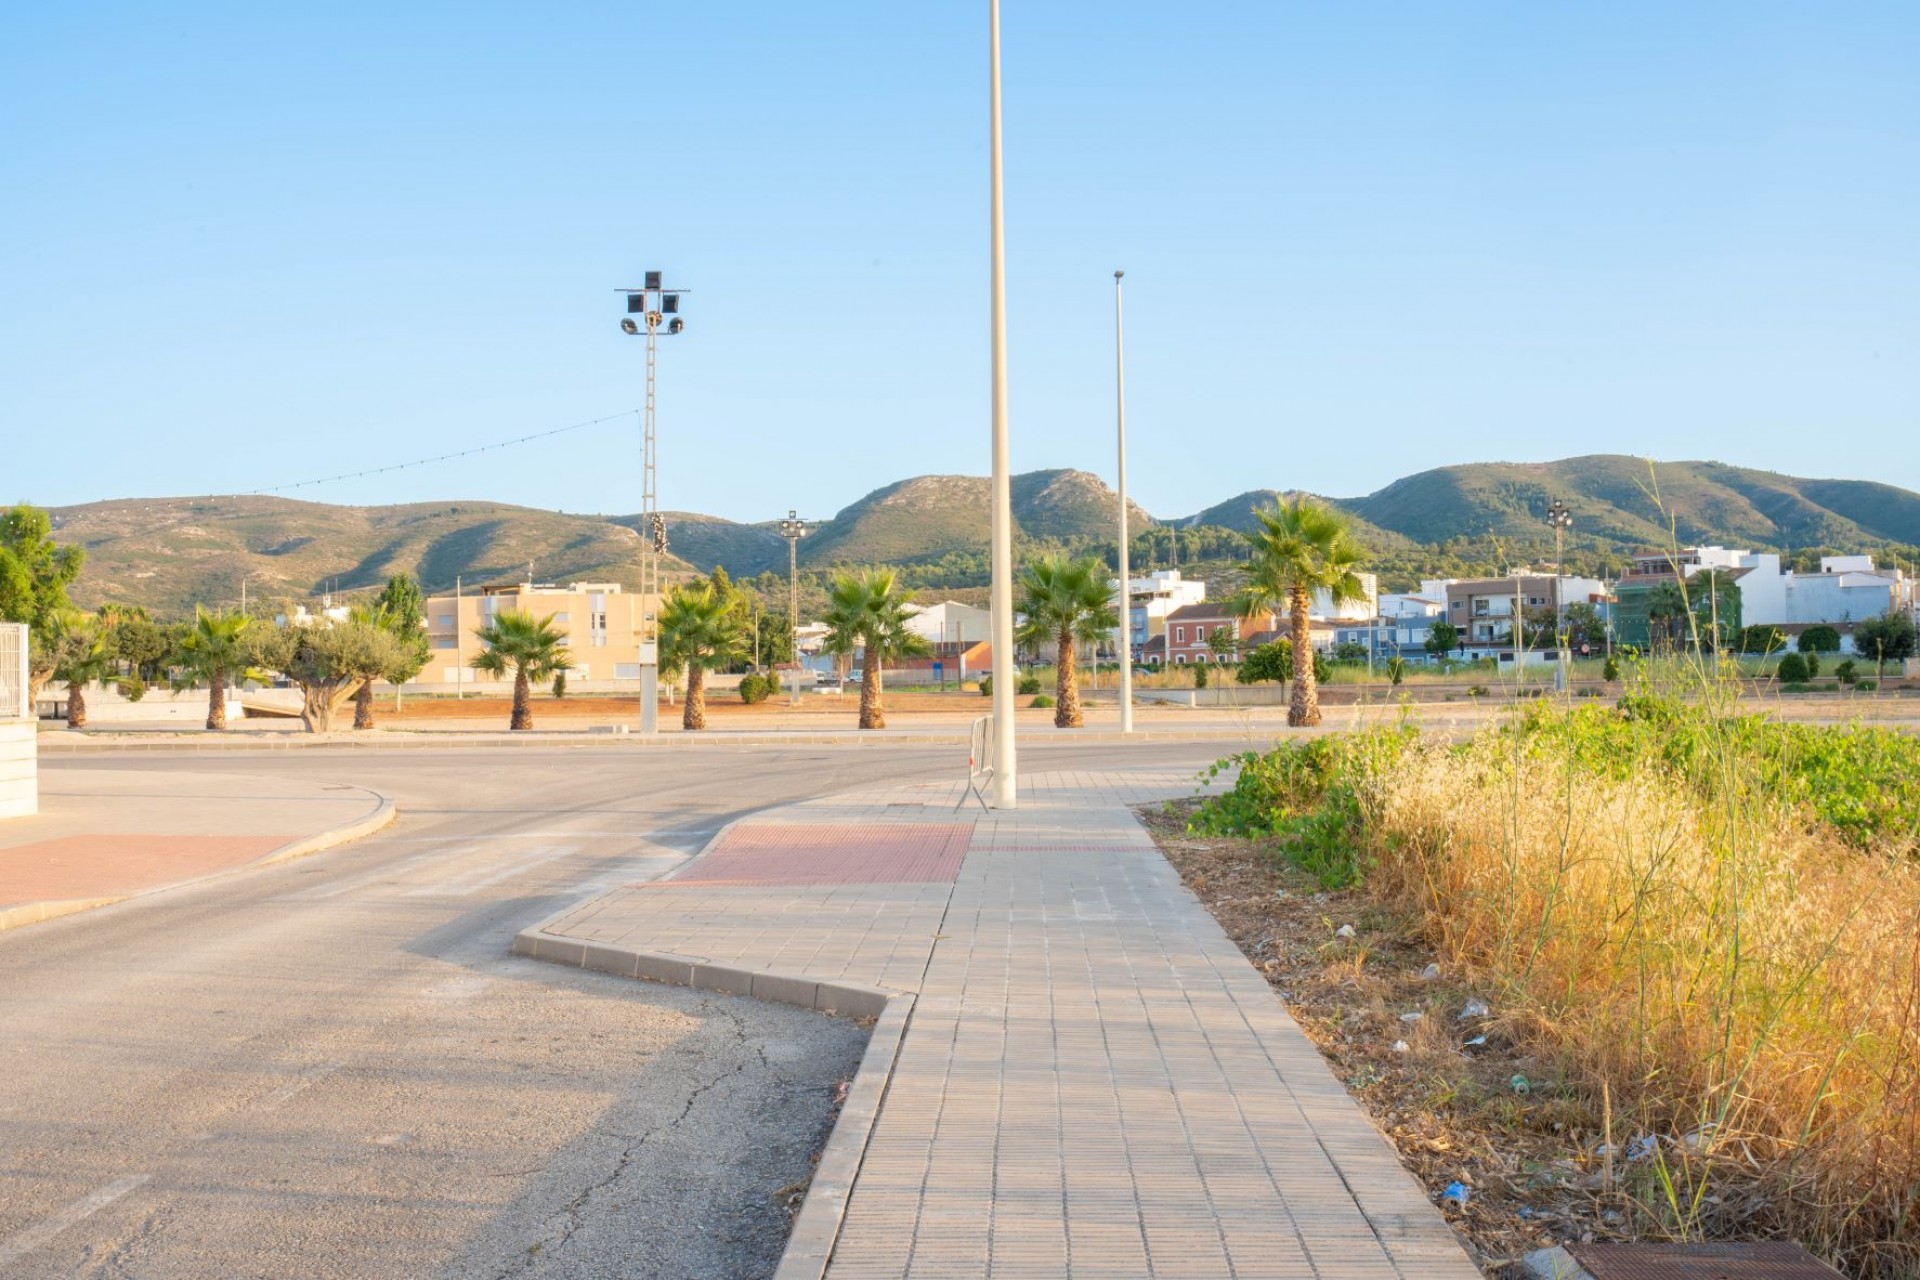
13 672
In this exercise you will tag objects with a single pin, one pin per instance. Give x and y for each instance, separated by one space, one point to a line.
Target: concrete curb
693 741
383 814
816 1230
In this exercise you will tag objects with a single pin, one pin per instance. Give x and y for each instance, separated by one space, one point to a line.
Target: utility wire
445 457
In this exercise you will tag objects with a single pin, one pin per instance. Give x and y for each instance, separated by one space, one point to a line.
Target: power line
445 457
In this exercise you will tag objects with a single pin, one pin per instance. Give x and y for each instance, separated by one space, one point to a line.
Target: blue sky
245 248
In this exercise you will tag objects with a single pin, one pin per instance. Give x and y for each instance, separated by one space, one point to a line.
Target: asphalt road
333 1068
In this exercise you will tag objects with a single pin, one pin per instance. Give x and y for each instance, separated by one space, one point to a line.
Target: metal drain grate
1768 1260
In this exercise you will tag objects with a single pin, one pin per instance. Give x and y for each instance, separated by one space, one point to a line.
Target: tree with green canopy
324 659
700 631
1300 548
529 647
217 651
866 613
35 573
1068 603
1886 637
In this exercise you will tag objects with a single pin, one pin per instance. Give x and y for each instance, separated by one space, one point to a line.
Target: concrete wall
19 768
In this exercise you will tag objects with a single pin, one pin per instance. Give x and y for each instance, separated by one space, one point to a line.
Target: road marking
360 881
39 1233
554 835
461 888
293 1088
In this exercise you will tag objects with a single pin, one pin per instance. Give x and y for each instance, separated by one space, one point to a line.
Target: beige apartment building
602 622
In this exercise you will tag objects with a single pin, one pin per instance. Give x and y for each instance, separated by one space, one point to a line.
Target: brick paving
1093 1081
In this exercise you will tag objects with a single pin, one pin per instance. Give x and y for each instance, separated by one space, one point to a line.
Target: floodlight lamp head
676 325
628 326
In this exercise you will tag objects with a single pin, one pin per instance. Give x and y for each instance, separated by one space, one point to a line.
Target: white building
1364 609
1848 589
1152 598
950 622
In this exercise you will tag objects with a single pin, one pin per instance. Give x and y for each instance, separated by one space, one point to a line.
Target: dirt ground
1452 1092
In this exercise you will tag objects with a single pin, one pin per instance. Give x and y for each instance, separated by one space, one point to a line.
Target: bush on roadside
1846 672
986 686
1702 915
1199 675
1041 700
1028 684
1792 669
559 684
753 689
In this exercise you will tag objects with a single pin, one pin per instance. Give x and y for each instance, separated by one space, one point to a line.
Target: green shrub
1813 663
986 686
1041 700
1796 686
559 684
1792 669
1821 639
1477 691
1199 675
1610 669
1846 671
1865 686
753 689
1396 670
132 687
1028 684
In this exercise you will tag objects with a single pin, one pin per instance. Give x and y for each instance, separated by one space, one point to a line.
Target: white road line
293 1088
25 1242
461 888
360 881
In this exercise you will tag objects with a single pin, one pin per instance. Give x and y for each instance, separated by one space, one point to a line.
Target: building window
626 671
1180 635
444 620
561 616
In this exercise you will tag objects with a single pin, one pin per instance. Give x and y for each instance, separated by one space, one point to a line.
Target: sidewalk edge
816 1230
382 816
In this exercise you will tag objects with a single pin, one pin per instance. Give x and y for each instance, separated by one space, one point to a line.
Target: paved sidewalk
104 835
1078 1074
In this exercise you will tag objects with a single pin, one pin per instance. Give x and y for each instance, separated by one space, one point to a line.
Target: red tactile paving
822 853
85 867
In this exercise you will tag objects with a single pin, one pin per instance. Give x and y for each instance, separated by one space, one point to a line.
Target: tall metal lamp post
657 308
1005 794
1560 517
1126 583
793 528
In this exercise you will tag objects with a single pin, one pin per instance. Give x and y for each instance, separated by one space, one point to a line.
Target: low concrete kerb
817 1229
383 814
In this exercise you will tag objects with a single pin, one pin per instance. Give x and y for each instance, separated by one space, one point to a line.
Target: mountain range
170 553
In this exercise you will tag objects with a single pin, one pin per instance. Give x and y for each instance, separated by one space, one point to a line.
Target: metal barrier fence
13 672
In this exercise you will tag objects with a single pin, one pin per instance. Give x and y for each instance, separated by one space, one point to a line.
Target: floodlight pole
1005 794
793 528
653 302
1126 584
1560 516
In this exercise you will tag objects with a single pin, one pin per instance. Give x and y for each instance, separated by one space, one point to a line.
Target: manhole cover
1769 1260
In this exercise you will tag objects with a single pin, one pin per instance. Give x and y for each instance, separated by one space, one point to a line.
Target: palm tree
216 649
1299 548
81 655
866 611
700 629
530 648
1066 602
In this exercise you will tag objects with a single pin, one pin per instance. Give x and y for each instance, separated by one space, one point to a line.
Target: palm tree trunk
694 714
1066 691
871 716
522 701
1304 709
76 705
217 701
363 706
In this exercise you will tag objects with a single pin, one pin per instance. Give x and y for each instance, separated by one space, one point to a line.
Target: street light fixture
1560 518
650 303
793 528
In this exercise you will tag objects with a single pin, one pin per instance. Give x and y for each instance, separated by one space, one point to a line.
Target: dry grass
1739 985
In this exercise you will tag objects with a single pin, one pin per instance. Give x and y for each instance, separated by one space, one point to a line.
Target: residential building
1189 628
950 622
1482 609
601 621
1151 599
1846 590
